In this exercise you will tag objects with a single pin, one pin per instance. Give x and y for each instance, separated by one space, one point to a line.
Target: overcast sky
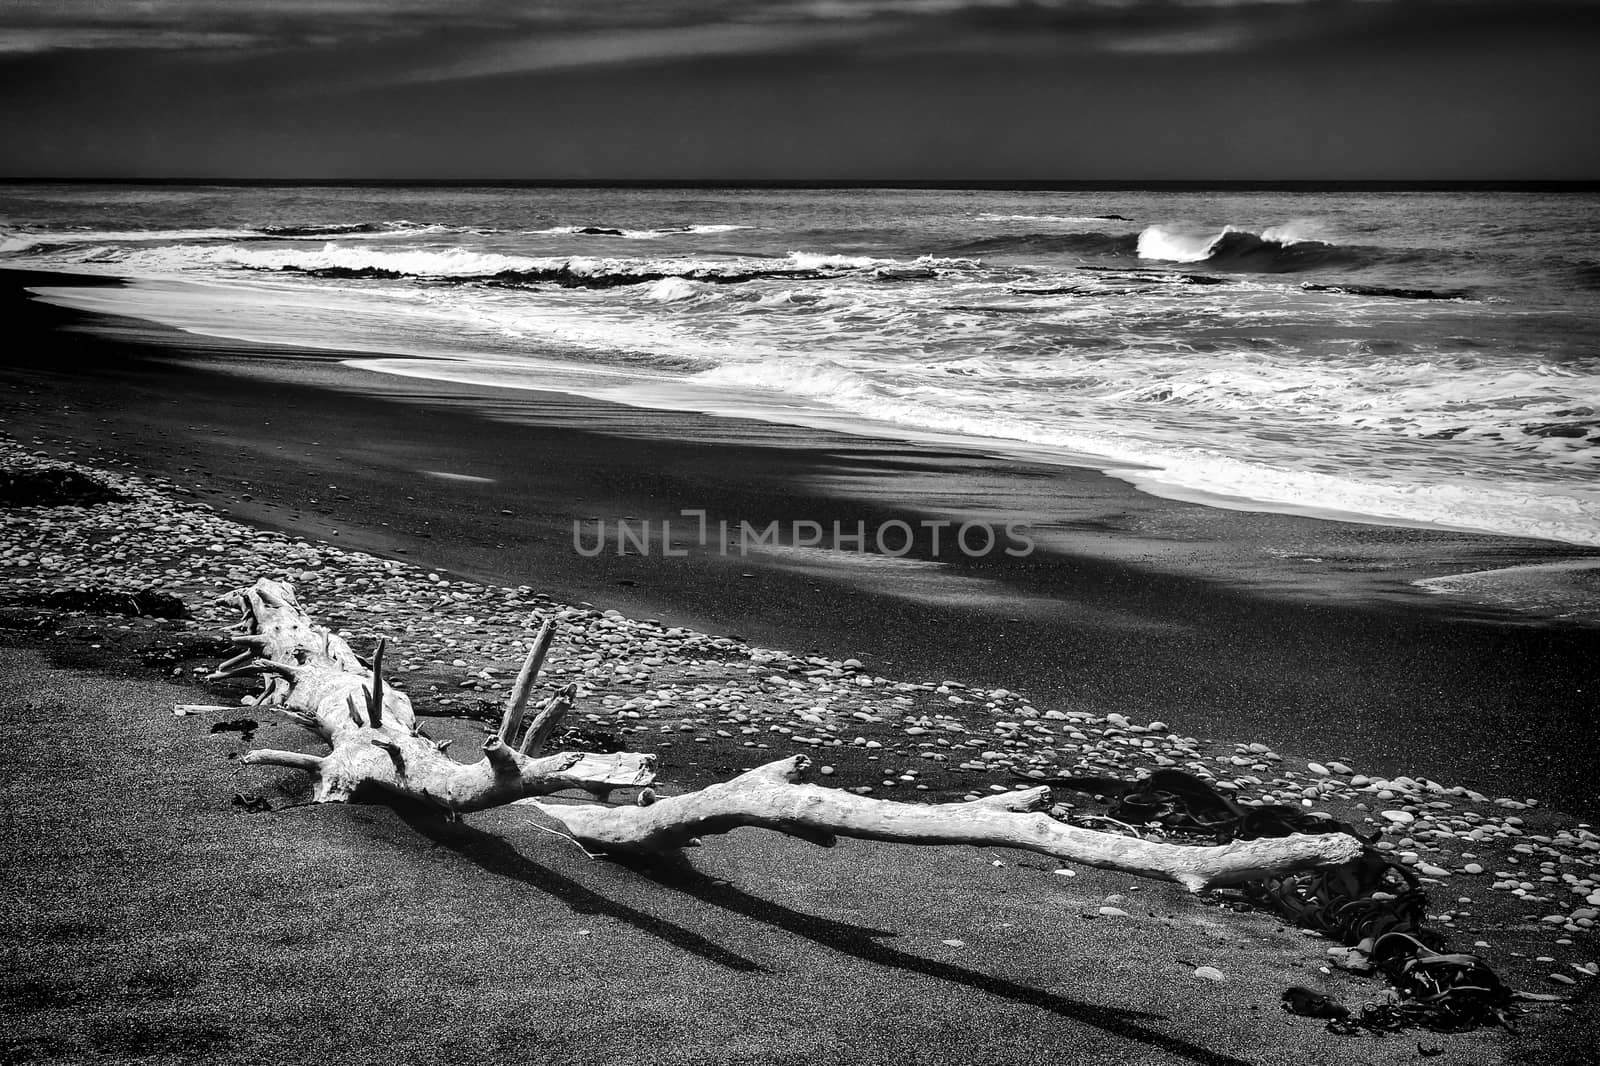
796 89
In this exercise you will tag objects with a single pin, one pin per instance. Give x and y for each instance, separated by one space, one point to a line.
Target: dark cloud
801 88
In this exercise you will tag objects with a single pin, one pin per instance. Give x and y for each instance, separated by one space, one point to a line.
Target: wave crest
634 234
989 216
332 229
461 266
1276 249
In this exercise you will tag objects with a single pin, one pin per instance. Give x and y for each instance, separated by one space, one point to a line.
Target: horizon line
952 184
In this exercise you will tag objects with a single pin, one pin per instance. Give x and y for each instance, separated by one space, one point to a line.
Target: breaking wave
460 265
1273 250
330 230
399 228
633 234
1277 249
821 261
991 217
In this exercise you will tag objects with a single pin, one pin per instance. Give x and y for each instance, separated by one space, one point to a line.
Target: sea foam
1399 372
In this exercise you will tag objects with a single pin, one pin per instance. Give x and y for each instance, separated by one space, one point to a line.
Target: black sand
164 925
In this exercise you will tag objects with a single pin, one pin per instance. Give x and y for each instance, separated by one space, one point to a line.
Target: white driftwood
773 797
523 688
319 682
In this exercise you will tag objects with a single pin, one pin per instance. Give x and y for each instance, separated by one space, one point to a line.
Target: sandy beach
865 533
441 516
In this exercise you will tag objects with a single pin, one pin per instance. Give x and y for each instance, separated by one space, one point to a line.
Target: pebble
1352 959
1210 973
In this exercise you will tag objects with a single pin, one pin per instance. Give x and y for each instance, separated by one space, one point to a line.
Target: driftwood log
774 797
316 679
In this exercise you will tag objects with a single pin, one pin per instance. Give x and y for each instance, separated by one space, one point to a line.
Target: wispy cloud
630 46
549 34
31 39
38 25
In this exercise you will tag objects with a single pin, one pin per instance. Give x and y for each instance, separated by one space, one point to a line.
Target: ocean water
1430 358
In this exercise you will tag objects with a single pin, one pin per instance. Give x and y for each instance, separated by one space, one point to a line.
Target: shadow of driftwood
675 872
498 857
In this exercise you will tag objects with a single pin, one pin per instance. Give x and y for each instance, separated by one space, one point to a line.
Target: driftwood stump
317 680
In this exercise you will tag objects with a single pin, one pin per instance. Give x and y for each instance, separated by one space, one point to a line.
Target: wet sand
1306 634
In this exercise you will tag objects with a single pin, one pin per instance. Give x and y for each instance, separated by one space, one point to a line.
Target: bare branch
375 696
237 661
258 666
294 759
548 720
512 718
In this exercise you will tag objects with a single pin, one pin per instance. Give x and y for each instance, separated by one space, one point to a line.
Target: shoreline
188 306
1303 632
